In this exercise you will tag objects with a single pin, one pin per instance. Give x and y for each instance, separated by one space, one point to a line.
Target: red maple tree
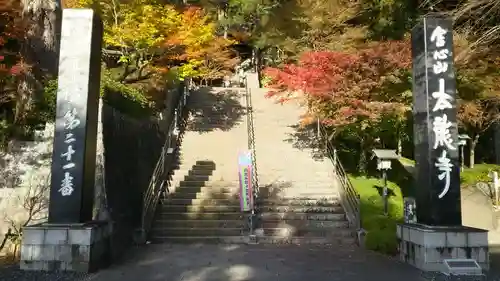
344 87
11 33
12 30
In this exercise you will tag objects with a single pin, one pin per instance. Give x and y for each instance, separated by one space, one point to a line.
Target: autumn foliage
194 41
345 87
11 35
11 32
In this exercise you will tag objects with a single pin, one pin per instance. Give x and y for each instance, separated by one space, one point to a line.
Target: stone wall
132 148
24 181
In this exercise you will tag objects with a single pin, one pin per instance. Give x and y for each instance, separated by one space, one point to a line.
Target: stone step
306 201
202 194
193 164
292 194
201 172
306 240
195 178
244 239
199 232
200 216
189 170
305 232
287 194
309 225
200 201
235 207
160 238
302 216
192 184
235 200
195 223
199 208
214 120
228 173
204 187
209 126
201 110
206 163
212 184
303 209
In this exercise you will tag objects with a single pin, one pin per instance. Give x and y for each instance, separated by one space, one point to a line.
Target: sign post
245 179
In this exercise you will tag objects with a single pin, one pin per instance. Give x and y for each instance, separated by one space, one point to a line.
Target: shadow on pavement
197 262
215 108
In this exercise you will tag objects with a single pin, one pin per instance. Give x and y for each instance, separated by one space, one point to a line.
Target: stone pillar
438 233
71 241
74 153
435 124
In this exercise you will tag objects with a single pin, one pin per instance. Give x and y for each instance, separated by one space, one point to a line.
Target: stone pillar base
73 247
426 247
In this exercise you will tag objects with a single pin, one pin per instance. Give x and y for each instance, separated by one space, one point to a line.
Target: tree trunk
39 51
222 15
399 145
362 157
472 153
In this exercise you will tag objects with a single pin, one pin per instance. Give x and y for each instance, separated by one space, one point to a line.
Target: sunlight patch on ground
240 272
229 248
198 275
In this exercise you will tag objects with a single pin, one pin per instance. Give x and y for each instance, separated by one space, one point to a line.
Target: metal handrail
159 181
251 147
251 138
349 197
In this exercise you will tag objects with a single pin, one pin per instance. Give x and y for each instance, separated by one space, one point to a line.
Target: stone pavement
176 262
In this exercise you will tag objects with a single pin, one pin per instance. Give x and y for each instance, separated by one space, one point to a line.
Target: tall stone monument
438 234
71 241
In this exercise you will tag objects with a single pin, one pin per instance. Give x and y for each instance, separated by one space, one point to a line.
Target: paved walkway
255 263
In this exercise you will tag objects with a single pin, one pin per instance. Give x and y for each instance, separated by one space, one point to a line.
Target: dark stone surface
431 209
76 118
433 228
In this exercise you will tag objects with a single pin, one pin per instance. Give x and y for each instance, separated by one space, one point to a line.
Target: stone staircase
298 196
203 202
299 200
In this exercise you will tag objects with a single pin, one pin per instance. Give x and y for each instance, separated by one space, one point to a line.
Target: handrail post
335 158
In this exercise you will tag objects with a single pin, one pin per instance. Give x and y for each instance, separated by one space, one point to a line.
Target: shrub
125 98
382 238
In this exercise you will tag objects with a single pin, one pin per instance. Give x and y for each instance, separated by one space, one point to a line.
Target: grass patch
477 174
406 161
381 229
468 177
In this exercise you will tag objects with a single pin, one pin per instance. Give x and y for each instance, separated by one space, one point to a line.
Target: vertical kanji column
74 154
435 124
